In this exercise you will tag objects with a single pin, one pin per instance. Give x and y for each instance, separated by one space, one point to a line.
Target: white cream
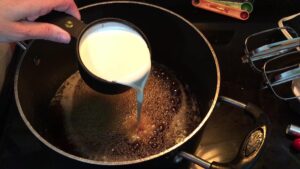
117 53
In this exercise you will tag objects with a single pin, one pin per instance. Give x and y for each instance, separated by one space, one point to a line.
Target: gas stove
227 126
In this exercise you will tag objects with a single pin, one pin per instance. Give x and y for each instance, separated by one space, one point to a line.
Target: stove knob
296 144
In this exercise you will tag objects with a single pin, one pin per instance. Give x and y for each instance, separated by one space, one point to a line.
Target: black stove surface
226 127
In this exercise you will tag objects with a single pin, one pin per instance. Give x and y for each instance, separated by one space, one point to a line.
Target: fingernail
64 38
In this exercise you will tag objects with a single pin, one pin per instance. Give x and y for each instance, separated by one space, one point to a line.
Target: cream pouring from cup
114 51
113 55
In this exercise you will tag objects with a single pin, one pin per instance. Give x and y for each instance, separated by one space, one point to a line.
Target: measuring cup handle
67 22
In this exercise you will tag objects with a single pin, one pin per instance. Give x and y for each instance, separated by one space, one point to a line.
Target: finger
69 7
41 8
35 30
32 18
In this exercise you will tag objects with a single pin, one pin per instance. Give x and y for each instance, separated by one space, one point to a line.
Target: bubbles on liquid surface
102 127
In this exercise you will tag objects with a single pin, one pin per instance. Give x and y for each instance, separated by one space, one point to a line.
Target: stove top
227 126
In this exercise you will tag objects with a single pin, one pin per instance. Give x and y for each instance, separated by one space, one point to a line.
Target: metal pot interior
175 43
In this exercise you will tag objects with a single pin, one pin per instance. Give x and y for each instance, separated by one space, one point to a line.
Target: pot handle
250 148
22 45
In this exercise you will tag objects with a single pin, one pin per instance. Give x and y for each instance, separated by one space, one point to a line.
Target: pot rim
89 161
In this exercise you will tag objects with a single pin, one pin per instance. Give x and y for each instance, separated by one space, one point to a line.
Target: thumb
36 30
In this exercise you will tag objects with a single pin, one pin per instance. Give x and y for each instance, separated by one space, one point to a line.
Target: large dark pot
175 43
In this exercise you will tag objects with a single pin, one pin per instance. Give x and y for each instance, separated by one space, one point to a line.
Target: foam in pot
102 127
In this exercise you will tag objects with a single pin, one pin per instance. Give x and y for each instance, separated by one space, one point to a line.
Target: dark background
227 126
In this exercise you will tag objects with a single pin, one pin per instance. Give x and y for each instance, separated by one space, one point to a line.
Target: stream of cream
115 52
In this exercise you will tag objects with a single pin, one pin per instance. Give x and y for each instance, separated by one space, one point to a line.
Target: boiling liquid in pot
102 127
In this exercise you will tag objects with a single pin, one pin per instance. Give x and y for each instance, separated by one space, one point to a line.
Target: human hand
17 20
